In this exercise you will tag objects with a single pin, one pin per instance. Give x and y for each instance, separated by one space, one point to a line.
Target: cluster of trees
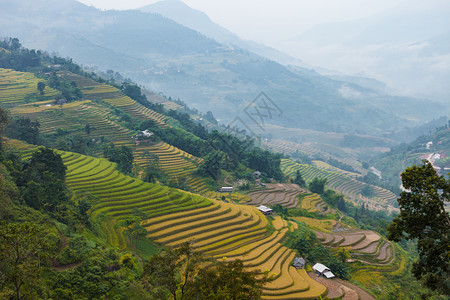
17 58
40 180
122 155
220 150
371 179
22 128
307 246
317 185
69 90
340 165
179 274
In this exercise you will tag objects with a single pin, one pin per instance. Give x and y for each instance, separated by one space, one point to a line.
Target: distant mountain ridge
170 58
181 13
406 46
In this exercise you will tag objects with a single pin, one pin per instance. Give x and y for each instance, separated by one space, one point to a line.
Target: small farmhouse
299 263
143 136
323 270
226 189
265 210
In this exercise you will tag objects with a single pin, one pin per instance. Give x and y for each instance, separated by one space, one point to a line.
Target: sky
269 21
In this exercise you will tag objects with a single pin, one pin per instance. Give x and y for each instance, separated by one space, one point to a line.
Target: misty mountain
182 63
407 47
181 13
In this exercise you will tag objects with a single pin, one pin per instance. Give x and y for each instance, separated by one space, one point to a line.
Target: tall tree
42 180
41 87
299 179
423 217
24 129
227 280
172 271
22 249
317 185
122 155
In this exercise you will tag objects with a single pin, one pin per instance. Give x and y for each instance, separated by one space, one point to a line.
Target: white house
323 270
265 210
226 189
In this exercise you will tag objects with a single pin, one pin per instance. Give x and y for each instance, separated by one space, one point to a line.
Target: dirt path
363 295
333 289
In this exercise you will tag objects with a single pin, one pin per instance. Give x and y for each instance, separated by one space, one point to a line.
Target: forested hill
180 62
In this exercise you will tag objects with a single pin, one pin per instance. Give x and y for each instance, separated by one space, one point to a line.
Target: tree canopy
317 185
22 247
423 217
42 180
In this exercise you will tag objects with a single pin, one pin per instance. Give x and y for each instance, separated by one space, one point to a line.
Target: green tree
299 179
87 129
211 165
227 280
41 87
171 271
24 129
22 250
423 217
123 156
3 120
317 185
134 227
42 180
367 191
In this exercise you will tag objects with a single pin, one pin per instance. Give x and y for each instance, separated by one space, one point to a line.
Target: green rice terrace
311 150
105 125
348 186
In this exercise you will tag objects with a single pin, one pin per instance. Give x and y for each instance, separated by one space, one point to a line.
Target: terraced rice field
365 246
287 147
323 165
155 98
233 197
343 184
313 203
218 229
276 193
309 149
74 116
16 88
177 164
114 96
317 224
